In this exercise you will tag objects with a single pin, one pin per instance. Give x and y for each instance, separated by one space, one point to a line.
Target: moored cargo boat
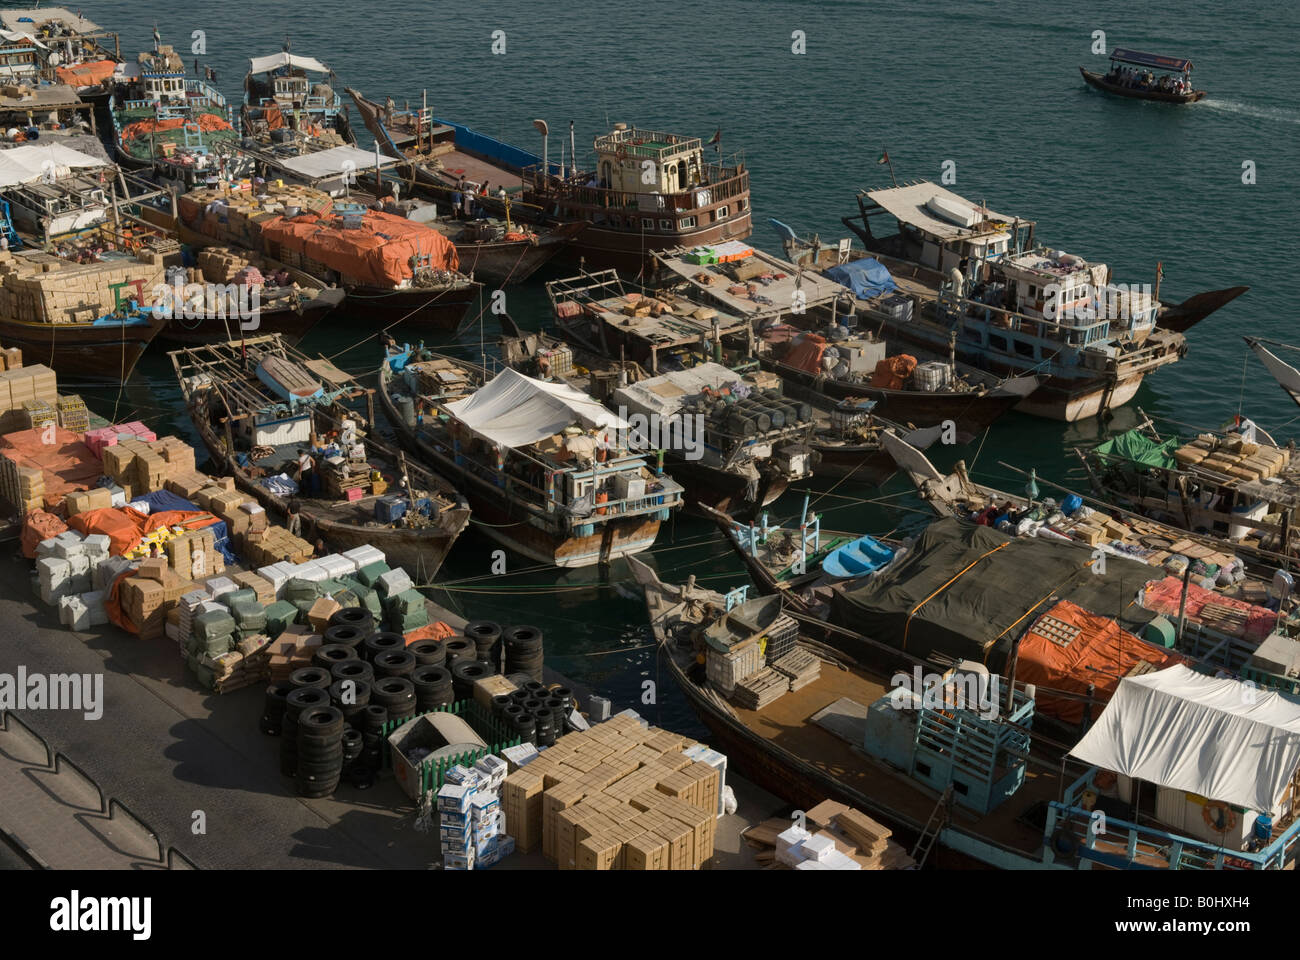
545 467
259 406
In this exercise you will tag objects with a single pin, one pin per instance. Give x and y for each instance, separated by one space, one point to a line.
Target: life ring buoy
1229 816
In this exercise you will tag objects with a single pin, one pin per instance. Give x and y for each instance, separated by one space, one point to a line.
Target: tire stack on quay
331 715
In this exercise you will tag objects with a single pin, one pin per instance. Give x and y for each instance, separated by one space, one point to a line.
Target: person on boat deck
306 472
293 521
467 203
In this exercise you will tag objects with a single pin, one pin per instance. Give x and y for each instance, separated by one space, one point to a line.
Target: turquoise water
993 87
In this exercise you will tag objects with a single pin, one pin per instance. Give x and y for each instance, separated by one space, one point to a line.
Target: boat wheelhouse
55 45
1146 76
291 99
648 191
177 127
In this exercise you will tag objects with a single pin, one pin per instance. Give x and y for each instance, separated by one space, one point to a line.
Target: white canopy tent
664 394
30 163
1219 738
515 410
277 60
336 160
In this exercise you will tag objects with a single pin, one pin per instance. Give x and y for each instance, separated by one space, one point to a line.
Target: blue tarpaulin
867 277
160 500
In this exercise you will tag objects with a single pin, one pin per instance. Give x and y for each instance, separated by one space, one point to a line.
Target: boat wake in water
1247 110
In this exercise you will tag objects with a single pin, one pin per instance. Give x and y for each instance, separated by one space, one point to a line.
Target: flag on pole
884 156
716 138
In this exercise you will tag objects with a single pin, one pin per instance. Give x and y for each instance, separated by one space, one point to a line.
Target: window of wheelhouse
647 223
686 223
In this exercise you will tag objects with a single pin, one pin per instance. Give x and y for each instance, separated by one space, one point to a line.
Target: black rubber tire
346 634
521 638
428 653
460 648
321 722
519 679
536 688
563 692
500 702
514 711
519 695
486 635
329 654
392 692
353 617
463 675
319 771
301 698
382 641
353 670
309 677
360 691
393 663
429 677
372 716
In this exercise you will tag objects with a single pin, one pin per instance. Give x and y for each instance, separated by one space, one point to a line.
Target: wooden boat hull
289 323
420 552
513 261
724 491
972 412
82 351
441 310
1099 81
1183 316
628 251
865 463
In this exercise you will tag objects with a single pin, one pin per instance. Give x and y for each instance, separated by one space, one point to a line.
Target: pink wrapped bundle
99 438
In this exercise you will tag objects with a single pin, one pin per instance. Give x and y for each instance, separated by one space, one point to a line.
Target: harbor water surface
988 92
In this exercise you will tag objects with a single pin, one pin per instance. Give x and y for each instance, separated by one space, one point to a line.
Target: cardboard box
321 611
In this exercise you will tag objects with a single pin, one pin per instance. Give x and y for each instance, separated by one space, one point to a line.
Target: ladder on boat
933 827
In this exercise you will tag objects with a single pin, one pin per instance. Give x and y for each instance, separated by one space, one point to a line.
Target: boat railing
723 184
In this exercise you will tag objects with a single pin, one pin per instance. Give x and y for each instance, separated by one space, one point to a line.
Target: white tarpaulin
277 60
664 394
13 36
514 410
1219 738
30 163
336 160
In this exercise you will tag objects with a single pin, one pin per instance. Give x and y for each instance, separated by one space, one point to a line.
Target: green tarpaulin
1137 447
928 606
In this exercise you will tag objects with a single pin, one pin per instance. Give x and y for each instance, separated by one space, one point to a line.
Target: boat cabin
1234 808
287 94
1149 72
162 75
939 229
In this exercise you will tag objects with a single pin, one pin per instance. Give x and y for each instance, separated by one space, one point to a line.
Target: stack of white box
189 606
796 847
107 570
472 824
365 555
217 587
96 546
454 830
73 613
277 575
336 565
68 544
311 571
393 582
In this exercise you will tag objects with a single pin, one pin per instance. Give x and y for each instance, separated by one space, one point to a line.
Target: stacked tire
394 694
464 673
523 647
486 635
295 702
320 751
273 709
371 722
433 687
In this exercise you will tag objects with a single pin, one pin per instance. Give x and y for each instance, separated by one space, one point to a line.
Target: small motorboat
1163 79
288 380
863 556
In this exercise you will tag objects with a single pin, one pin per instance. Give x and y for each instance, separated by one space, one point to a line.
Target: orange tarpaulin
39 526
273 117
86 74
1099 654
378 254
68 464
113 604
125 527
807 353
141 128
431 631
1245 619
892 371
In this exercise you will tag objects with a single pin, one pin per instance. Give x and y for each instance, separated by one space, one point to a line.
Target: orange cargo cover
125 527
892 371
807 353
1242 619
39 526
86 74
68 463
378 254
1101 653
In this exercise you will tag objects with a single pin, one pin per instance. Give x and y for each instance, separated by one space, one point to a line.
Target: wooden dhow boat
1160 79
545 467
258 404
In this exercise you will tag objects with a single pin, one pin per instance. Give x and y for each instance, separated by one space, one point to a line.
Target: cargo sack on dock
378 253
964 591
279 616
371 572
298 591
249 616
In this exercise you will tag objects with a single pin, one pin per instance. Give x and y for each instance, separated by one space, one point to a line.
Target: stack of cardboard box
619 796
291 650
275 545
149 594
20 385
97 498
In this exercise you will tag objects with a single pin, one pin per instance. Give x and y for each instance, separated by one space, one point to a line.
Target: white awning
277 60
14 36
515 410
664 394
336 160
1219 738
911 204
30 163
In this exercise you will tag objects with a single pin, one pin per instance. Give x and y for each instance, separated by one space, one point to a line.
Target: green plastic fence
480 719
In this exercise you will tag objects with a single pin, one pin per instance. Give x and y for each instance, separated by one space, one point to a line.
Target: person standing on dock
306 472
293 521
